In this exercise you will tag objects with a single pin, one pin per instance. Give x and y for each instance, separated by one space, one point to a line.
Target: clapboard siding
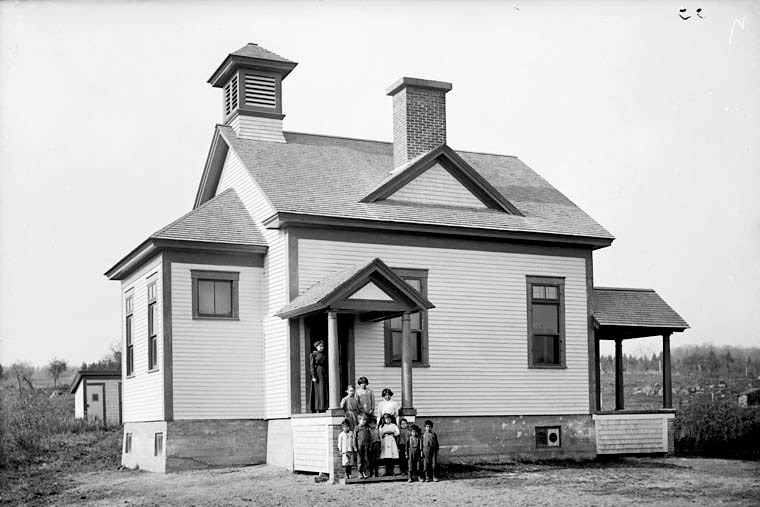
632 433
144 392
217 367
276 343
260 129
477 332
437 186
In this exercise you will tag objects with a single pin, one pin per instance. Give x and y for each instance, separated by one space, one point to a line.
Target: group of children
365 443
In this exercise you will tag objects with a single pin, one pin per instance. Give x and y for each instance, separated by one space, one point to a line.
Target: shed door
95 402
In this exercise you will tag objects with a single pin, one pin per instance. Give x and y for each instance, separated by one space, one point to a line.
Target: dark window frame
127 443
129 330
559 302
542 437
227 276
424 362
152 327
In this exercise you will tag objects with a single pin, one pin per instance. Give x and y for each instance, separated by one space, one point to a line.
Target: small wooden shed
97 396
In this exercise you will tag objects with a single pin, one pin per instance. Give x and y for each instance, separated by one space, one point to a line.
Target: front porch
329 312
625 314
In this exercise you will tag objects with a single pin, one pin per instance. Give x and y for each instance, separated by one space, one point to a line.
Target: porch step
390 478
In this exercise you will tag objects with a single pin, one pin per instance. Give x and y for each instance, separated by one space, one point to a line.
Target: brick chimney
419 117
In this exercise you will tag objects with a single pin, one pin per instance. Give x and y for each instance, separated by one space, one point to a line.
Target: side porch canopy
373 292
622 314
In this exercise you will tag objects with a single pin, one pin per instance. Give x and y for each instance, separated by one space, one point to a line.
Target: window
128 331
546 322
128 443
417 278
215 294
152 328
158 444
95 397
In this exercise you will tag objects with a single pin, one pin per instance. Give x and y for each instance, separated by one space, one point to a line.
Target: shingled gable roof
221 223
631 313
327 178
455 166
223 219
334 289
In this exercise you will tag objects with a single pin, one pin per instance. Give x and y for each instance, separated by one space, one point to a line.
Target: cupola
251 82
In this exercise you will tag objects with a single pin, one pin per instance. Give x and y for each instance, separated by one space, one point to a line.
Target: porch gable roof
335 290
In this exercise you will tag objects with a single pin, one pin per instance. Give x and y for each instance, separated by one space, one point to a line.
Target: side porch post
619 404
407 401
333 361
667 383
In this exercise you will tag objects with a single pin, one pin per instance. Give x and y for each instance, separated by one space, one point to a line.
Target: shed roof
631 313
93 374
329 176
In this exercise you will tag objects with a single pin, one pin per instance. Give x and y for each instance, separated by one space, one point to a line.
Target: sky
649 122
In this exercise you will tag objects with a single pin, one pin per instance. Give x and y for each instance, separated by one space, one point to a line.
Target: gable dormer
251 83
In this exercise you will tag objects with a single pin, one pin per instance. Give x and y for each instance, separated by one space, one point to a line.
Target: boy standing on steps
363 445
429 452
346 447
414 453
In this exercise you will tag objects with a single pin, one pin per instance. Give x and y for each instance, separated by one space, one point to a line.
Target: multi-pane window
152 327
417 278
128 332
546 326
215 294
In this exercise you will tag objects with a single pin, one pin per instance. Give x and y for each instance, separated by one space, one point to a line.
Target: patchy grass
65 456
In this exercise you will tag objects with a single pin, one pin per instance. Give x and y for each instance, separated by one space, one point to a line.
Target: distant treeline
708 360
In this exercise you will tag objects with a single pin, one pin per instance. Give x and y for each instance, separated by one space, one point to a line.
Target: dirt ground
631 481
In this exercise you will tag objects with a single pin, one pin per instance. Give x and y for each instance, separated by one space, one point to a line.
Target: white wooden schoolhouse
463 281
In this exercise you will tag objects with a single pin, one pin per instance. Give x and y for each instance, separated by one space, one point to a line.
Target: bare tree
56 367
23 373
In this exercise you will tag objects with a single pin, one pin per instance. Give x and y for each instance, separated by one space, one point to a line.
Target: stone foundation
474 439
142 455
215 443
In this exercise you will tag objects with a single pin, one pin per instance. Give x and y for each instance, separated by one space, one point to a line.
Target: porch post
597 376
619 405
667 385
406 362
333 360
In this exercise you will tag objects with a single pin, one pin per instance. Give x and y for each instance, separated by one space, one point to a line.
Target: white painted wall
477 332
437 186
258 129
276 353
217 364
79 401
144 392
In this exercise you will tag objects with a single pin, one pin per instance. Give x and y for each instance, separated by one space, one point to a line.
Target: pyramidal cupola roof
251 56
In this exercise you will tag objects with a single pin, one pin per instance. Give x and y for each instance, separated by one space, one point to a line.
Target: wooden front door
95 402
316 330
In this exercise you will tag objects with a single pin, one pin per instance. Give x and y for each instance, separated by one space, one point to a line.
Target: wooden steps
383 478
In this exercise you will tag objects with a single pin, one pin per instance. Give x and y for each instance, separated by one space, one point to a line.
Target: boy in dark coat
403 437
429 452
414 453
363 445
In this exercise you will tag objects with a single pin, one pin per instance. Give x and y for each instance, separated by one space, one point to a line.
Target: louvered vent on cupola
231 95
260 91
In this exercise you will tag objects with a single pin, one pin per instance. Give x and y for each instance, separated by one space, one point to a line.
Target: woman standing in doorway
319 378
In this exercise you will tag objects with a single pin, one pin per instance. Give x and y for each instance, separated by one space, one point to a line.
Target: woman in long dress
319 378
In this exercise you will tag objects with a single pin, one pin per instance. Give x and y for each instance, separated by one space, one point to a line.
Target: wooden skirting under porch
634 432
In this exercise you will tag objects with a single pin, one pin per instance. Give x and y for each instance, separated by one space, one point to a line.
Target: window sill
130 376
414 365
547 366
154 370
197 317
